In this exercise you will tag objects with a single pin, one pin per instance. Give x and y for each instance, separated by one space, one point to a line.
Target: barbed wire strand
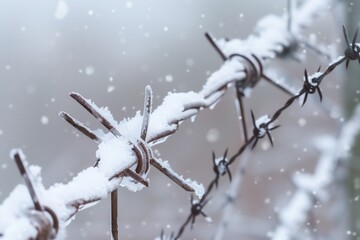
212 92
311 86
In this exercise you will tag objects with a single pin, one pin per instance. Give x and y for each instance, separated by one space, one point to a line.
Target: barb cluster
263 126
352 50
221 167
311 84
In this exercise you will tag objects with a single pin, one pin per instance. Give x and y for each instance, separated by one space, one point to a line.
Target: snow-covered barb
221 167
311 84
262 127
352 51
124 151
260 124
309 187
44 222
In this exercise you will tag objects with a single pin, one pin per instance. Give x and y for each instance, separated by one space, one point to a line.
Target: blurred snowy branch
313 187
231 196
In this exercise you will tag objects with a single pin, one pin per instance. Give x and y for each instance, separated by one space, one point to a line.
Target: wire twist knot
253 68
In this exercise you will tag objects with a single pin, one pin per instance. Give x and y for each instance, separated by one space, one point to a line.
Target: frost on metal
271 38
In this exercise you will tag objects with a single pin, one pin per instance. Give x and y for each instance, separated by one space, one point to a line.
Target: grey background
42 59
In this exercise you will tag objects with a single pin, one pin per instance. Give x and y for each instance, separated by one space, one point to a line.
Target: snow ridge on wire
271 39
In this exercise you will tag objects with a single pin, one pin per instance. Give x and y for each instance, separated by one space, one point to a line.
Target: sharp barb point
346 36
305 98
229 173
354 38
225 154
270 139
273 128
320 94
253 118
306 75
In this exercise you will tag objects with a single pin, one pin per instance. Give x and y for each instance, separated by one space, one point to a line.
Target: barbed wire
236 68
263 126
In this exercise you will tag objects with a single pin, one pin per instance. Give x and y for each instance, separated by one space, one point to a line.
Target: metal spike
25 175
273 128
79 126
182 183
306 76
114 214
269 136
213 43
320 94
354 38
85 103
242 113
253 118
136 177
305 97
225 154
146 112
229 173
346 36
280 87
213 158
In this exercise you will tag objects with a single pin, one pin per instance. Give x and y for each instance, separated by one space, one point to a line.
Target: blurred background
109 51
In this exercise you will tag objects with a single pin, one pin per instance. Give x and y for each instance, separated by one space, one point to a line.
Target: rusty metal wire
42 217
248 71
311 85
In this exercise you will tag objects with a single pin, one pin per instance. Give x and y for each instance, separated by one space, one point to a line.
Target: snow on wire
271 39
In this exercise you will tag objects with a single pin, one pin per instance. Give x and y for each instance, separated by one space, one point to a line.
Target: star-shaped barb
197 209
221 167
352 51
254 70
140 146
311 84
262 127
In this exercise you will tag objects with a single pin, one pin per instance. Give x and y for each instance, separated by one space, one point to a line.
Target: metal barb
79 126
114 215
215 46
279 86
311 85
140 147
352 51
223 163
264 126
27 179
197 209
46 229
146 112
239 96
